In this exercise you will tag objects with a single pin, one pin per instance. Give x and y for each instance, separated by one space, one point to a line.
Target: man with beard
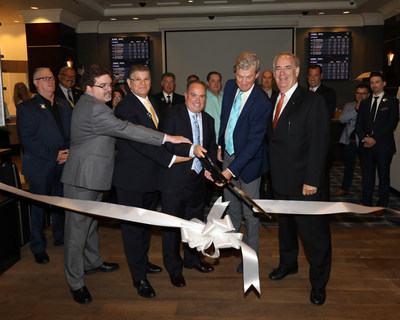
89 172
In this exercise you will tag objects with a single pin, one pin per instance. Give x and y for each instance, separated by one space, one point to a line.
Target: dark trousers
349 156
373 159
136 236
316 236
51 186
187 204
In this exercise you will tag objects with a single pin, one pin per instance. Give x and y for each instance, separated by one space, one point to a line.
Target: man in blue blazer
43 124
377 117
242 144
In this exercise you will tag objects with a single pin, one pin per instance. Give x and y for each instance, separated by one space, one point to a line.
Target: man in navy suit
66 88
43 124
299 143
136 173
183 185
377 117
242 144
167 97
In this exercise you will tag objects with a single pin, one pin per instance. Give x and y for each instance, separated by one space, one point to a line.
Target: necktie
372 116
278 109
70 100
169 102
196 141
233 118
151 111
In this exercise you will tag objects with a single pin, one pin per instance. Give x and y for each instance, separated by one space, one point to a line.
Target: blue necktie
196 141
233 118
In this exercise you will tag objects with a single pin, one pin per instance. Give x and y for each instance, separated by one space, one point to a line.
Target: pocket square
384 109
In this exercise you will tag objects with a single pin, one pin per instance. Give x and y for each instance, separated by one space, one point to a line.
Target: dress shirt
287 97
200 121
166 96
378 101
315 88
65 92
213 108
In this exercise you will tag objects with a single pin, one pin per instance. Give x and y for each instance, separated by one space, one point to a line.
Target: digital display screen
128 51
332 51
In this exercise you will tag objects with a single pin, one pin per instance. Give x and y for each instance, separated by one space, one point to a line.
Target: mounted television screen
332 51
127 51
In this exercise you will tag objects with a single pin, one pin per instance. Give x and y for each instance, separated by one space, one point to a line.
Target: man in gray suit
88 172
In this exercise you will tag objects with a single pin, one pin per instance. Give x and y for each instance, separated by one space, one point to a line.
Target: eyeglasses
117 98
140 80
103 85
67 75
46 79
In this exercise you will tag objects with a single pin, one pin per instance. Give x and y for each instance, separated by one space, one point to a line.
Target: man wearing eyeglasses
89 171
136 171
349 138
43 124
66 87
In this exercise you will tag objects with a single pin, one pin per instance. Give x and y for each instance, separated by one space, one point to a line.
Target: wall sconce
69 63
390 57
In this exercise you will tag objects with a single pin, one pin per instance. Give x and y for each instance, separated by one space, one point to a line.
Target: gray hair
294 57
245 61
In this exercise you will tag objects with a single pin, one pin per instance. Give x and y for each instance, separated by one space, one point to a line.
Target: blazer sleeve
159 155
27 127
360 122
318 127
105 123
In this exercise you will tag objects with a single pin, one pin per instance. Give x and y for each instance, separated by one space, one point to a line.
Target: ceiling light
35 8
190 1
321 12
346 12
113 19
135 18
16 21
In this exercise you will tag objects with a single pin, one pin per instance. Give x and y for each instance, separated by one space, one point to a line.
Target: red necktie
278 109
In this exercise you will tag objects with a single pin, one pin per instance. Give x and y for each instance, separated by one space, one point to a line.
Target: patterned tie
151 111
70 100
169 102
372 116
233 118
196 141
278 110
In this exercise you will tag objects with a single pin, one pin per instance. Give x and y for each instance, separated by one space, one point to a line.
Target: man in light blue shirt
214 98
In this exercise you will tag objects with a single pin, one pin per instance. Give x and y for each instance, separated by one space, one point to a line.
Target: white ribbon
217 232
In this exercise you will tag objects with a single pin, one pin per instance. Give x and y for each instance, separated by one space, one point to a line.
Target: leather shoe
105 267
144 288
177 280
42 257
280 273
379 213
340 192
82 295
202 267
317 296
152 268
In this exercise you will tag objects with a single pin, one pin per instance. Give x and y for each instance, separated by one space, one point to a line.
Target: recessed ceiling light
17 21
190 1
113 19
135 18
35 8
321 12
346 12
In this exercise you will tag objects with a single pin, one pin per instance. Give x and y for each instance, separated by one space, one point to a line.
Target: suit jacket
94 128
177 122
330 98
162 104
76 94
40 135
299 144
387 117
137 164
251 151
